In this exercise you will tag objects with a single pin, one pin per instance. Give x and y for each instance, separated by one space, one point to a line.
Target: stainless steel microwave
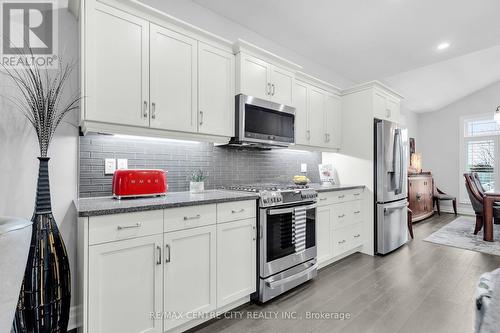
263 123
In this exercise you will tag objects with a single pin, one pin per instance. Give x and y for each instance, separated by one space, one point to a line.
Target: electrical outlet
303 167
122 163
109 166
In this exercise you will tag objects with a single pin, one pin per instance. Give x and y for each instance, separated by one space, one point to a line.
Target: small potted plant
197 184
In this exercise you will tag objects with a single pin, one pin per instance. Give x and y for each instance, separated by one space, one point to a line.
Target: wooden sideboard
420 194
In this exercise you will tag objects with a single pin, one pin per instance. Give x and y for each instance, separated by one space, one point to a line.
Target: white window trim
463 197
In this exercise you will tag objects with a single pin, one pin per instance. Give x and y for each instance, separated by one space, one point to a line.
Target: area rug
458 233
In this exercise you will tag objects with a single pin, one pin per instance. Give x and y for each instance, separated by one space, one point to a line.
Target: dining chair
442 196
474 191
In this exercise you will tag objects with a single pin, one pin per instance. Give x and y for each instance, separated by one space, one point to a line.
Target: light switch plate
122 163
109 166
303 167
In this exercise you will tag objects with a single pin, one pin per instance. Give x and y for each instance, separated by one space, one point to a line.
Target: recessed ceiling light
443 46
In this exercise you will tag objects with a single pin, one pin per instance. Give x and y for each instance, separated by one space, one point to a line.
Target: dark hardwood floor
422 287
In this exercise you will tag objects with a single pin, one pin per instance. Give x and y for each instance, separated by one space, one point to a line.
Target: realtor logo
28 32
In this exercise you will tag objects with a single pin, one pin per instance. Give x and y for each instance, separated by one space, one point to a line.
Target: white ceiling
390 40
434 86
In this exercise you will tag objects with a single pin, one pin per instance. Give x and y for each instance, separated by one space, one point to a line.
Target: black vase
44 300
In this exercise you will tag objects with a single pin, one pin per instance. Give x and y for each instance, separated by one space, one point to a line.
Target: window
480 144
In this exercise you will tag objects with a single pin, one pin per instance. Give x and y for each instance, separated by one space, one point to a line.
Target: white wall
439 137
208 20
409 119
19 151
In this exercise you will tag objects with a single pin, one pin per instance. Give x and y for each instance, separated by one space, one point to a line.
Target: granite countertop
330 188
108 205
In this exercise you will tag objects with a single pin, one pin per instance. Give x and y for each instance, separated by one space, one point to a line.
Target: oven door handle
274 284
289 210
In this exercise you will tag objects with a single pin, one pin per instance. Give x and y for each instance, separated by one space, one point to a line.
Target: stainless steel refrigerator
391 171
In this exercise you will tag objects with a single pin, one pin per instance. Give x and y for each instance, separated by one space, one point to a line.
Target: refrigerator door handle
399 206
398 161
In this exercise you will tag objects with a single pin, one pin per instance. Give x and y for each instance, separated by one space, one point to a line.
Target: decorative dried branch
41 91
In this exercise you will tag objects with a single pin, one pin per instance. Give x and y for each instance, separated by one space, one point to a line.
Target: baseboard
73 317
460 210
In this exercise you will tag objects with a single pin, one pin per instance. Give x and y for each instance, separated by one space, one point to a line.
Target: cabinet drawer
326 198
238 210
109 228
189 217
347 238
347 213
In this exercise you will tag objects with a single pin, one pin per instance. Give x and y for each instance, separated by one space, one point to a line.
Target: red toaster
139 183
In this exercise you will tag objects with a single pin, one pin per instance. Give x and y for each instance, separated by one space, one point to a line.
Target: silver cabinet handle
268 90
121 227
308 134
254 232
326 137
153 110
238 211
356 194
158 248
341 216
186 218
357 212
145 109
342 241
167 254
201 117
341 196
357 236
274 89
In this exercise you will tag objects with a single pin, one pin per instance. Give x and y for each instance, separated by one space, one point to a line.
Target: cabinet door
215 91
236 260
173 80
254 76
125 286
317 116
324 241
379 106
281 85
333 121
190 273
300 95
117 60
392 108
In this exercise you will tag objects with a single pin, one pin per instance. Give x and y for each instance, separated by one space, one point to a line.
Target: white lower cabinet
169 270
339 225
190 274
324 234
125 280
236 260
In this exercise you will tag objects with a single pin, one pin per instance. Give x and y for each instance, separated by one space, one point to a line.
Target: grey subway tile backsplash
223 166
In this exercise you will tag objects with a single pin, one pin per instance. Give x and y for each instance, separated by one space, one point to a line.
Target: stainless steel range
287 237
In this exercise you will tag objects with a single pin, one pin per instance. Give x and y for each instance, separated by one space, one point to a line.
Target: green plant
198 176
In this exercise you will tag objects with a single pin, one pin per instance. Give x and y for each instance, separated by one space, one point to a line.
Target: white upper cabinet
253 76
318 113
173 80
300 100
142 76
264 75
281 82
117 78
333 120
317 99
383 102
215 91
